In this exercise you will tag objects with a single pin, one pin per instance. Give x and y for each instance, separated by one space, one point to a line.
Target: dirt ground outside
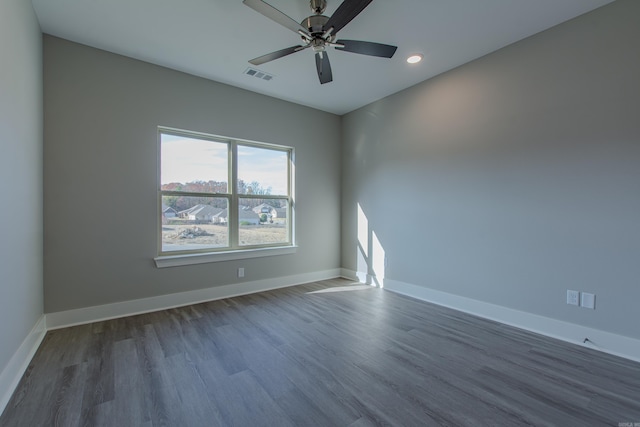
185 236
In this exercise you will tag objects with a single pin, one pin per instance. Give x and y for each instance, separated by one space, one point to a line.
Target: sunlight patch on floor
343 289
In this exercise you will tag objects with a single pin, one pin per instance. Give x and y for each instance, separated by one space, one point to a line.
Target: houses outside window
218 194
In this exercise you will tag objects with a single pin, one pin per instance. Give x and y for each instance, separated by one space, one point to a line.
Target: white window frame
234 250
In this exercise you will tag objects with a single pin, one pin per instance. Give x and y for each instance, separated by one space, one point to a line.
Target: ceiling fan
319 32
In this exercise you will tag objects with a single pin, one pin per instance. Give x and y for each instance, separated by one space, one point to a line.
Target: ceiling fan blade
367 48
275 15
324 67
348 10
275 55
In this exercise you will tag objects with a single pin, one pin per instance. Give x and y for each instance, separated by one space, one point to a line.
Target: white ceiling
215 39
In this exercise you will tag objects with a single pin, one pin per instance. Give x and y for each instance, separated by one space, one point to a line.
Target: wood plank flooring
330 353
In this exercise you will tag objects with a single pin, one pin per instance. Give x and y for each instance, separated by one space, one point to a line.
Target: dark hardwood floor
330 353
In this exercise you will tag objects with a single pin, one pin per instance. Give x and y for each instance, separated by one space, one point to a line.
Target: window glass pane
193 165
262 171
196 192
263 221
194 223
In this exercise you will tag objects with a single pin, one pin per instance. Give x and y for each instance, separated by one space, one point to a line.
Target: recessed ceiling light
414 59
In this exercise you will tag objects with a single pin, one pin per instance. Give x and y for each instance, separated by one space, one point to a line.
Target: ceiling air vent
258 74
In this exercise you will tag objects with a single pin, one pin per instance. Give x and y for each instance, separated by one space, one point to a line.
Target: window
221 195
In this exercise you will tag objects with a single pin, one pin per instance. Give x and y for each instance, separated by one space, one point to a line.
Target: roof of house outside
201 210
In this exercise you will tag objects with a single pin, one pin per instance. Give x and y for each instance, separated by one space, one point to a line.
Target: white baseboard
349 274
358 276
80 316
12 373
607 342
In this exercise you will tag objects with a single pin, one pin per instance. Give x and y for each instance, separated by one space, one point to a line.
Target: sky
186 159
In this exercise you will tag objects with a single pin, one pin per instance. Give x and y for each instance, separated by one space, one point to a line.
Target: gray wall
20 174
512 178
100 169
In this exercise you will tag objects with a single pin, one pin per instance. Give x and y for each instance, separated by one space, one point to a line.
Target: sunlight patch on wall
362 248
363 231
370 255
377 260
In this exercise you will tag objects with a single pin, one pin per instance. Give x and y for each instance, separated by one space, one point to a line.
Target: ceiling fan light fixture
415 58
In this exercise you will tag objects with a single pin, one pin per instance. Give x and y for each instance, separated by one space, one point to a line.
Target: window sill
191 259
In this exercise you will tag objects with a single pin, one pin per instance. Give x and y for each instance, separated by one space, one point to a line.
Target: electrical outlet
588 300
573 297
241 272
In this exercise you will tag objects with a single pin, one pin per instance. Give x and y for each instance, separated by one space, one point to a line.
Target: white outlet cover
588 300
573 297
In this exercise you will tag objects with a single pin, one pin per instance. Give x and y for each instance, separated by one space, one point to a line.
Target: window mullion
291 192
233 189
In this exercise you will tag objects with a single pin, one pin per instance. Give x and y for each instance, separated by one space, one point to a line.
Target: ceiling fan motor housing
315 23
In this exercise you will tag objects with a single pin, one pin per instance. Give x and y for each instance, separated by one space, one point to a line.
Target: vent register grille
258 74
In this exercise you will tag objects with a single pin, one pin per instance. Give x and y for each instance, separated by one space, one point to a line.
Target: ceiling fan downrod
318 6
